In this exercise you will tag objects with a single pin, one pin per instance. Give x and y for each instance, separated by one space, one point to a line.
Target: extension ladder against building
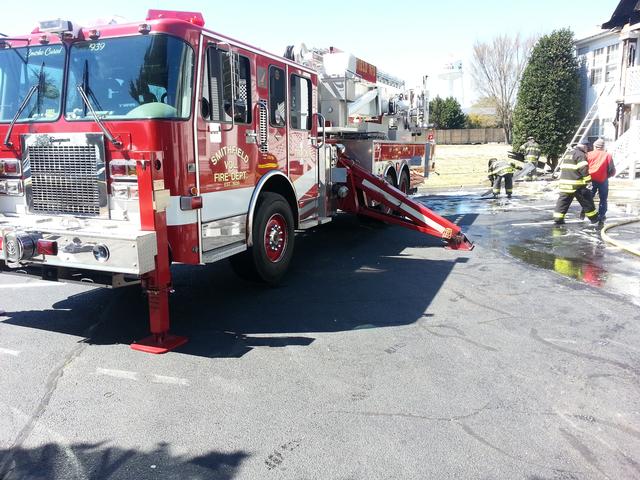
586 125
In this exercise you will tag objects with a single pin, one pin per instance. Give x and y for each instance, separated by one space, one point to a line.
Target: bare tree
497 68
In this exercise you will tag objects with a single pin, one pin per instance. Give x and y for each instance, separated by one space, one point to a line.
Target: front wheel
273 237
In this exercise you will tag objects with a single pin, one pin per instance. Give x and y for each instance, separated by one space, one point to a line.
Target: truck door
303 156
272 113
227 148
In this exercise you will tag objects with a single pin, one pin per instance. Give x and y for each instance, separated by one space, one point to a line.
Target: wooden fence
470 136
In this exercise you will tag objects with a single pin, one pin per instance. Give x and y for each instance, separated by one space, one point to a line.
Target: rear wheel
403 184
273 236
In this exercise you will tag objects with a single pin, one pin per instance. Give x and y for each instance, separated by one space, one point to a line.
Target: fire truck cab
126 147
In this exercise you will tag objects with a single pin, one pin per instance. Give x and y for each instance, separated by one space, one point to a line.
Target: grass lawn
464 165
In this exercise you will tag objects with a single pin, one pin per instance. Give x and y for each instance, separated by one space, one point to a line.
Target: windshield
22 68
128 78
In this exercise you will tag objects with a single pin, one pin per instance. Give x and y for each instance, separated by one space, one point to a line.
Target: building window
597 56
596 75
610 74
596 128
631 59
300 102
612 53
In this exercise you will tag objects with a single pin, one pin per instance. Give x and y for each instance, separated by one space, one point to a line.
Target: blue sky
404 38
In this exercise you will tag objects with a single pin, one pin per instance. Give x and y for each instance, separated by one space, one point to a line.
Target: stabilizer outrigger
399 209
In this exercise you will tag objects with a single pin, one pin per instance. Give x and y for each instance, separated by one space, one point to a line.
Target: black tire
404 185
390 179
273 238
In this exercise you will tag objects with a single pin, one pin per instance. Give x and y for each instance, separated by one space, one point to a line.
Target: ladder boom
407 212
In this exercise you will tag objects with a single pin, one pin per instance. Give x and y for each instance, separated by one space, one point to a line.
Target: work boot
509 196
581 214
559 221
595 220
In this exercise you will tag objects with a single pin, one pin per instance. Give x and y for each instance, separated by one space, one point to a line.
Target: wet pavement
522 228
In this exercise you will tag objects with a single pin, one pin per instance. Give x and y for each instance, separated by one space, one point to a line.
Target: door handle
251 136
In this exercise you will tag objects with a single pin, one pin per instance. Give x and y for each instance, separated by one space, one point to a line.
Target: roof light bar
55 26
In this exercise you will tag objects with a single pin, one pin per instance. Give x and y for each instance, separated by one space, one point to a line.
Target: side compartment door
303 156
227 148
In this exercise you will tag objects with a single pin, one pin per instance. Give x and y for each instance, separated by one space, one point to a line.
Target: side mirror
205 108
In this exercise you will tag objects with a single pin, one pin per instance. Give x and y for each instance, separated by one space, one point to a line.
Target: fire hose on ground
621 245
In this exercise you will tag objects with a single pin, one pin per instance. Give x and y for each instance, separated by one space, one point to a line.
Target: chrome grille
64 179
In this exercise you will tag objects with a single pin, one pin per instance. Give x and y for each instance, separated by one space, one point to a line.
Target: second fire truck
126 147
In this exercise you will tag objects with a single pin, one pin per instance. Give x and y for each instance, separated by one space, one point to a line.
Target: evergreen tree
446 113
548 104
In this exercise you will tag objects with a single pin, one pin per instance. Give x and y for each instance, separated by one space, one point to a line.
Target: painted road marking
8 351
117 373
30 285
560 340
169 380
135 376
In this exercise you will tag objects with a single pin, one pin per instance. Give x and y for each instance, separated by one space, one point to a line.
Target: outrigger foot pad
159 343
459 242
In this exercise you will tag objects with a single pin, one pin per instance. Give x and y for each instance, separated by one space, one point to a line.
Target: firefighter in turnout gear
499 169
574 182
531 151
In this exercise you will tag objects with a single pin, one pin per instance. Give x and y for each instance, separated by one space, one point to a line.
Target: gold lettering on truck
227 151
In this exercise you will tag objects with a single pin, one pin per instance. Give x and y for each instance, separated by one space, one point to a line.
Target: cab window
226 87
277 97
300 103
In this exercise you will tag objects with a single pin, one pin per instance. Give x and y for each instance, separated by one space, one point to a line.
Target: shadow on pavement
99 461
344 276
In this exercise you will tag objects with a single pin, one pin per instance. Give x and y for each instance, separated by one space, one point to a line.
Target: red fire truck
126 147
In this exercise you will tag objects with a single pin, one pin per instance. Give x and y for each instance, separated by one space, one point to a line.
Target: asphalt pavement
382 356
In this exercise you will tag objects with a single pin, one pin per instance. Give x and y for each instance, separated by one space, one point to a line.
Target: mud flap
408 213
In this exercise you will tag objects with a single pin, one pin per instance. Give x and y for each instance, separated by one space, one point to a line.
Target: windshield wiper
87 88
83 88
38 87
104 129
22 106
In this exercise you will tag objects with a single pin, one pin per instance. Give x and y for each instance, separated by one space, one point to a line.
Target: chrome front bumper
78 240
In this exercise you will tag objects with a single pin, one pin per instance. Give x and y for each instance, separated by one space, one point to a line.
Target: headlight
11 187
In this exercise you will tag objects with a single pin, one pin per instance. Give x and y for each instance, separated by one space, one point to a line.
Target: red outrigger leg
157 283
407 213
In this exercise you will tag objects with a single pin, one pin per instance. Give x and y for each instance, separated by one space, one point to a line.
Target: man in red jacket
601 167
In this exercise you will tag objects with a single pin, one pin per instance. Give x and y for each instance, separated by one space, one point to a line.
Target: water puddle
523 230
580 254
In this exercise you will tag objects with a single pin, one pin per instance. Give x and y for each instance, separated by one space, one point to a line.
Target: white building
611 83
600 62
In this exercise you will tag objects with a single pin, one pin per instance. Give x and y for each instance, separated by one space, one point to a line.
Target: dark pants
508 184
602 189
583 195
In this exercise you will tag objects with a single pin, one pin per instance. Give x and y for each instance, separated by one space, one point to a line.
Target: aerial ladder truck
126 147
